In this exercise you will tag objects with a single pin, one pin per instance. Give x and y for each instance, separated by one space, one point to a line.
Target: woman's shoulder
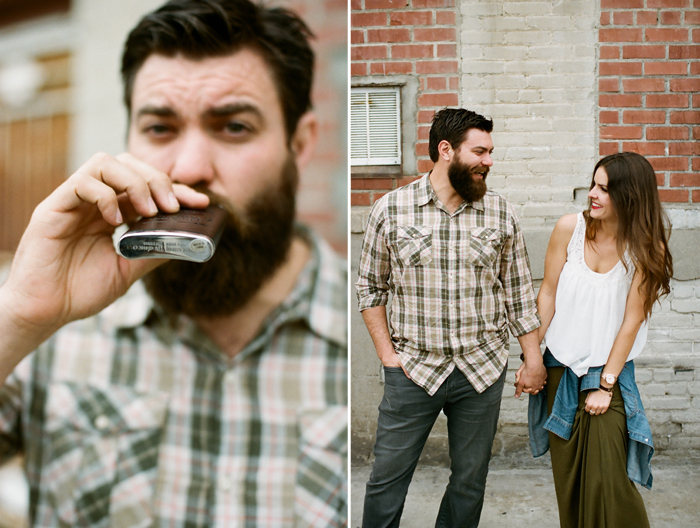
566 225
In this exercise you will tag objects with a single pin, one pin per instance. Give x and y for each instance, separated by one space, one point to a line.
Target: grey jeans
406 416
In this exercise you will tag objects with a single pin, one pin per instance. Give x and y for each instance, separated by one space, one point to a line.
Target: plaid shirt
126 421
458 281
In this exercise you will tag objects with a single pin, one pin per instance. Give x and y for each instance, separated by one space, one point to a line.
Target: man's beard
460 175
253 245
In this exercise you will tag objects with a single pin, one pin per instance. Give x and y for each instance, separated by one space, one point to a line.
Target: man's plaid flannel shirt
458 282
125 421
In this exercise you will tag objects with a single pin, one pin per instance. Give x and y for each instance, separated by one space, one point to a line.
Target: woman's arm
599 401
553 264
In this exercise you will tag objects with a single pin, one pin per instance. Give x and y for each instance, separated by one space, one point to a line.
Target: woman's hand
597 402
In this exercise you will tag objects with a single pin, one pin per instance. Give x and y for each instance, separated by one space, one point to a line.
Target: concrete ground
525 497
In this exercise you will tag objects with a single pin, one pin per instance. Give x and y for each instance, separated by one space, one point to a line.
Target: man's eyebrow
159 111
234 108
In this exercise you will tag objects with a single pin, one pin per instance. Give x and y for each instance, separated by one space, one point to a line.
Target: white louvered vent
375 126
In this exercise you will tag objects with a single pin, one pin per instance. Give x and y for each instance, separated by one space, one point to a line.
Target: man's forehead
169 82
475 137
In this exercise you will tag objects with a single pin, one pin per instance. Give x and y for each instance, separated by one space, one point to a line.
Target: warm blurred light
20 81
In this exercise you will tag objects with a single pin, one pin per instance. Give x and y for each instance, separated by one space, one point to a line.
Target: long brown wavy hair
643 227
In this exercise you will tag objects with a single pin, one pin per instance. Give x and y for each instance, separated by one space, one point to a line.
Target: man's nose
193 161
487 161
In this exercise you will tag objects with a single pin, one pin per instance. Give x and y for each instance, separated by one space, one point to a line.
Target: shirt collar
425 193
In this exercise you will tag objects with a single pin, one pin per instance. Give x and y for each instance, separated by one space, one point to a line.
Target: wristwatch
608 378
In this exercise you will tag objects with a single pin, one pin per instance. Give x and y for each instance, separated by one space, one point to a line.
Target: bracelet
606 389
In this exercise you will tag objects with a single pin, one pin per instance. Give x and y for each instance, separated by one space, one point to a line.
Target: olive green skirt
590 469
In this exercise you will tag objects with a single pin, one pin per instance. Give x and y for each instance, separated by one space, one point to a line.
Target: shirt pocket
100 453
321 488
414 245
484 246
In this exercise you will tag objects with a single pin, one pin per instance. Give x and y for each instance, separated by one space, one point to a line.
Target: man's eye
157 130
235 127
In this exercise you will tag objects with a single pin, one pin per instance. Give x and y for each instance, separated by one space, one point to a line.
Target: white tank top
589 310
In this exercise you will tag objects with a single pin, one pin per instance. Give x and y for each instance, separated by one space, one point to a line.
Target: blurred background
60 102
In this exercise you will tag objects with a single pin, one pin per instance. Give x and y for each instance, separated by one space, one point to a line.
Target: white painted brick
527 67
685 416
575 152
544 210
483 67
473 82
530 37
528 152
667 403
471 52
505 52
505 81
529 96
528 124
683 290
552 23
507 96
540 195
510 23
662 374
686 305
685 443
562 195
483 37
550 53
517 196
358 219
677 388
524 180
507 110
564 180
666 320
533 222
575 37
686 334
654 389
479 97
477 9
576 8
643 375
694 388
526 8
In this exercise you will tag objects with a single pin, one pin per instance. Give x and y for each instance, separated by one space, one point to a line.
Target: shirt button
225 484
102 422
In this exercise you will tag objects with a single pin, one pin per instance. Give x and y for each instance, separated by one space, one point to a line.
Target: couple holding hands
453 257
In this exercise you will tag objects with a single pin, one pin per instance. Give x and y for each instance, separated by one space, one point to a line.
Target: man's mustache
236 219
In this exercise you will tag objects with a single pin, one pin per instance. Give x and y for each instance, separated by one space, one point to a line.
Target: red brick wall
650 88
407 37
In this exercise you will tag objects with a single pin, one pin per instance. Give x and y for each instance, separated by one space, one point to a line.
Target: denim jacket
640 447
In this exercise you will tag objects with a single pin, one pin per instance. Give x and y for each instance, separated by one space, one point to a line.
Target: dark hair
200 29
642 223
452 125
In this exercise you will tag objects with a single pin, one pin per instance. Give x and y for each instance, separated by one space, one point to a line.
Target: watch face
609 378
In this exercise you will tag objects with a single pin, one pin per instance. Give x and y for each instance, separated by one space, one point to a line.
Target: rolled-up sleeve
375 261
516 278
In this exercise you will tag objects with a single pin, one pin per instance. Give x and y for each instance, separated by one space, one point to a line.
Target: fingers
105 180
189 197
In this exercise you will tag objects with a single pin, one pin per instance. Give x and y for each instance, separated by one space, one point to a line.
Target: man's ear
445 150
305 138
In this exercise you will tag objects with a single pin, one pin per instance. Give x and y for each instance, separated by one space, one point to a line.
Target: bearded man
453 257
207 395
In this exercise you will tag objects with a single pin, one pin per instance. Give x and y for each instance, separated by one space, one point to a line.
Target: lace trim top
589 309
